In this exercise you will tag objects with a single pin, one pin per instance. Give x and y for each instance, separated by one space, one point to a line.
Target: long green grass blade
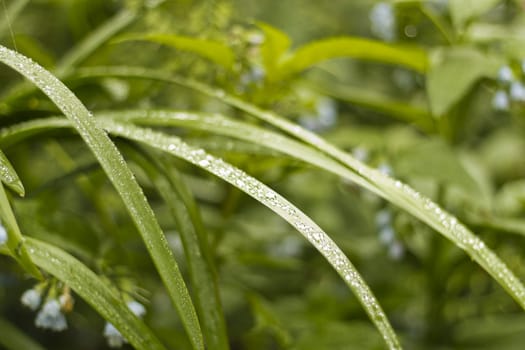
15 241
15 339
9 176
94 291
95 39
262 193
212 50
119 174
178 197
12 13
390 189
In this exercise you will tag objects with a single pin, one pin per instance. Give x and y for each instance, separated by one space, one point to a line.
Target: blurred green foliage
430 92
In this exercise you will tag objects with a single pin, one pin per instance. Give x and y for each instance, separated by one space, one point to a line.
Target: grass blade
13 11
122 179
95 39
278 204
14 339
179 199
15 241
9 176
213 50
94 291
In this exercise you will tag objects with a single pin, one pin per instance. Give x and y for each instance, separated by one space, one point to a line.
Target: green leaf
453 72
9 176
359 48
444 165
464 10
122 179
213 50
278 204
14 339
275 44
94 291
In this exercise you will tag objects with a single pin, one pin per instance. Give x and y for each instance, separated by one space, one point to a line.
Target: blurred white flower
383 218
383 21
396 250
517 91
505 75
385 169
360 153
31 298
255 75
137 308
500 101
51 317
113 336
3 235
327 111
386 235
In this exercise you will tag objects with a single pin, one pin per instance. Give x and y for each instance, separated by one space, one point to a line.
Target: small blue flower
31 298
51 317
500 101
